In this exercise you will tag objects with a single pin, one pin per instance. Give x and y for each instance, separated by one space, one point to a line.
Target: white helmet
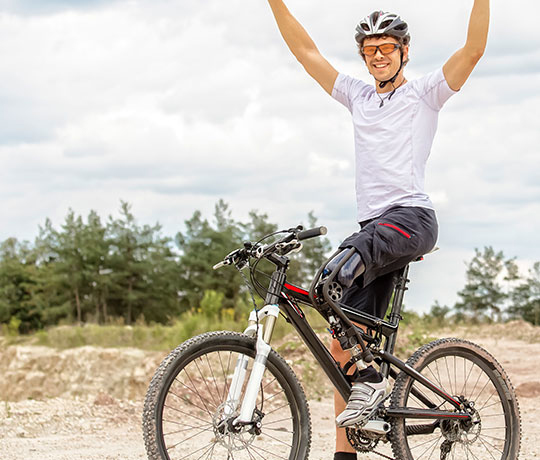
381 23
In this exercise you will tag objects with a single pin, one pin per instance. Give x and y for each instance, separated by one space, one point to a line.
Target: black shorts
387 244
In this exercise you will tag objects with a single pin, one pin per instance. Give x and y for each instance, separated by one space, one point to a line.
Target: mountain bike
226 395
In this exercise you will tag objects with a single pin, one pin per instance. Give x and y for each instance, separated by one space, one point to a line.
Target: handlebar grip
311 233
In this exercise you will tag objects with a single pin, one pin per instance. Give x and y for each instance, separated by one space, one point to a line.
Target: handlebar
288 243
311 233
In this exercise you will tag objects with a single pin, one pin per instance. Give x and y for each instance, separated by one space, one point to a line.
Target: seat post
399 292
395 315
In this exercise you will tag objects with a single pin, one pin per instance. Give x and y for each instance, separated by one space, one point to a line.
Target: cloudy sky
173 104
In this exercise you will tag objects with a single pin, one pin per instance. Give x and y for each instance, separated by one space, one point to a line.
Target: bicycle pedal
377 426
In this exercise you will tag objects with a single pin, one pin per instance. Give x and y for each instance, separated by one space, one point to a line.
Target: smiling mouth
381 66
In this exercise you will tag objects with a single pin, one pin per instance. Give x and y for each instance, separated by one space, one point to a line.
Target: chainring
361 441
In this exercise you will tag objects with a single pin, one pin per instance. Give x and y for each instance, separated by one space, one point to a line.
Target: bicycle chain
383 455
353 436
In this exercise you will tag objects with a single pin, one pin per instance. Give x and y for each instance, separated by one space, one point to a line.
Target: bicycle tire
184 405
462 369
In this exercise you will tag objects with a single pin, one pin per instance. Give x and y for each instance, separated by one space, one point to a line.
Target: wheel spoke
211 368
186 429
487 448
204 379
424 443
277 421
433 445
186 413
197 393
183 398
277 408
470 451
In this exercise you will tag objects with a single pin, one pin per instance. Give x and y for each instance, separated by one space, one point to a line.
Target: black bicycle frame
389 329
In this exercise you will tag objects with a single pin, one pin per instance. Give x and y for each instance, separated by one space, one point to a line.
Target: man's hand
303 47
461 64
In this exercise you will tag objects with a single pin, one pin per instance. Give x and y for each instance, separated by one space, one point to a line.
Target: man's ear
405 54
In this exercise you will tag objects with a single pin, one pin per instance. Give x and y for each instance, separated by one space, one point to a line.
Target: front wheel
188 412
472 376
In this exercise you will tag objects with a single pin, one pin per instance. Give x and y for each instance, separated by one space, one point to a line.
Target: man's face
384 66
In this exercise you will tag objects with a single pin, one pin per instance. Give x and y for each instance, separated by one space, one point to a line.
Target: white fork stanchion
249 402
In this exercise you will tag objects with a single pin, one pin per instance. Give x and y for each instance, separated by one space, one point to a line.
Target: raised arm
303 47
461 64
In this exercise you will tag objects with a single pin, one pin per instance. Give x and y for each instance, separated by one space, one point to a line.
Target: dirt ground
87 403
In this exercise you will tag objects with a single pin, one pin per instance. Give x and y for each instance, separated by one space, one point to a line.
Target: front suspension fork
263 335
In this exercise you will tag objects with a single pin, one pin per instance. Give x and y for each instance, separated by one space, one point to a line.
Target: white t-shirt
392 142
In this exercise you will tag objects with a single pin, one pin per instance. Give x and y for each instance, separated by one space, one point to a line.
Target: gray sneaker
364 398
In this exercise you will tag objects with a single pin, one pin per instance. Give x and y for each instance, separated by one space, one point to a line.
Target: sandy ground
105 427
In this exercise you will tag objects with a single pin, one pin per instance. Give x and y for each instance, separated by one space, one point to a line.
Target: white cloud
172 105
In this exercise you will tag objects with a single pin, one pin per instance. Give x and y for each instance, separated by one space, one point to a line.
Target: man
394 125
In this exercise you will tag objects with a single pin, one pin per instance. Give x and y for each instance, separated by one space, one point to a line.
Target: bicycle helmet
381 23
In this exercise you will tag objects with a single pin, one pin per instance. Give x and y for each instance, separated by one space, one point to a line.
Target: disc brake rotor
231 437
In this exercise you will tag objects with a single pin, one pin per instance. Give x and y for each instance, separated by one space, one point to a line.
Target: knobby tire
464 370
184 405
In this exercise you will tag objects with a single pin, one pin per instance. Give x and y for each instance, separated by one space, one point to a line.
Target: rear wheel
186 415
472 376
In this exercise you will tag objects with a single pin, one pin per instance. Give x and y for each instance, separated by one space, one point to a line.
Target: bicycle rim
471 375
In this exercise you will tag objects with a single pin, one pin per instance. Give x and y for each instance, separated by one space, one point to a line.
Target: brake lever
228 260
258 252
287 248
221 264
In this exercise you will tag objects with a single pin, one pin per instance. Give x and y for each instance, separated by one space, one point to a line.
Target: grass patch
155 337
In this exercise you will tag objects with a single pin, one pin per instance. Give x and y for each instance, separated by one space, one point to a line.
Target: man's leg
342 357
363 299
374 300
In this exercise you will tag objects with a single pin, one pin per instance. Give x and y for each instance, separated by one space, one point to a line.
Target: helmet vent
379 23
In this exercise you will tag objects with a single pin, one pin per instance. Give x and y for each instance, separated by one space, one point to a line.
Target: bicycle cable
250 289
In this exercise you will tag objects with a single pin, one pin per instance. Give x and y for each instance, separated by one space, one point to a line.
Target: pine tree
483 295
202 246
143 278
18 279
526 297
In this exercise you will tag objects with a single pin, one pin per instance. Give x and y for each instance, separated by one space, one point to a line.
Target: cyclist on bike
394 125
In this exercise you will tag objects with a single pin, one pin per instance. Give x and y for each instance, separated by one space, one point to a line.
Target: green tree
438 313
68 272
526 297
87 271
483 295
95 245
18 281
70 262
257 227
201 246
143 270
313 254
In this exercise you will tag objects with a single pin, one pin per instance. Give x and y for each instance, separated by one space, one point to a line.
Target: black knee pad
349 271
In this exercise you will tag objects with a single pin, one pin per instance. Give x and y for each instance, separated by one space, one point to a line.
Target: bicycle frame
384 356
